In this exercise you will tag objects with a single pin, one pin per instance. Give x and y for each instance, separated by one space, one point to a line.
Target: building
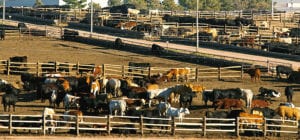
30 3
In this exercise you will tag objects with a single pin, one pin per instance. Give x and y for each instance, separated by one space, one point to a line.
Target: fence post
237 122
8 67
123 71
56 66
108 124
173 126
77 125
10 124
204 126
149 72
196 75
44 125
242 71
103 70
141 125
265 126
219 73
77 67
268 66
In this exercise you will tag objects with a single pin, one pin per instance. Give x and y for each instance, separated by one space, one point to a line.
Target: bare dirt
44 50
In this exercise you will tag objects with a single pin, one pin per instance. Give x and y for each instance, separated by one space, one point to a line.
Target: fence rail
141 124
196 73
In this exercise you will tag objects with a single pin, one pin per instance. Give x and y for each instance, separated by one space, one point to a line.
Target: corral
44 50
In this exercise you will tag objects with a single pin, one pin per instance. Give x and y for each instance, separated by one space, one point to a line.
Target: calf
254 74
288 92
268 92
228 103
259 103
117 105
177 112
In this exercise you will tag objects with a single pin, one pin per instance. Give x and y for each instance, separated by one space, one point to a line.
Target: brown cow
252 119
228 103
178 72
254 74
259 103
285 111
126 25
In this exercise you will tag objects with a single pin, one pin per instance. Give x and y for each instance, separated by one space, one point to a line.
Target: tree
190 4
76 3
227 5
171 5
114 2
38 3
211 5
154 4
139 4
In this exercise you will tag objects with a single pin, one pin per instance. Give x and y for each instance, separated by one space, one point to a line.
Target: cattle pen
71 69
15 124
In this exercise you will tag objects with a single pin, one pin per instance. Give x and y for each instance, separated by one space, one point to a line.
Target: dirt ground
44 50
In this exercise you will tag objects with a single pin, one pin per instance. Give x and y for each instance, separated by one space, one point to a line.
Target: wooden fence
40 68
142 125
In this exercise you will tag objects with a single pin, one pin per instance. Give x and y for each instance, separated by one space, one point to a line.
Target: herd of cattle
96 94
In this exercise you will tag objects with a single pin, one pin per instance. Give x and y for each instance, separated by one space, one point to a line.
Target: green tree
190 4
139 4
38 3
114 2
154 4
227 5
76 4
171 5
211 5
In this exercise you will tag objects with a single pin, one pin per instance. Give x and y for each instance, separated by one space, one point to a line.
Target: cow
69 34
294 77
250 119
265 92
233 93
288 104
186 99
207 95
288 112
157 49
126 25
288 92
8 100
3 84
248 96
177 112
179 72
95 87
49 113
163 107
265 112
70 100
280 69
227 103
259 103
17 62
254 73
71 115
117 106
118 43
113 86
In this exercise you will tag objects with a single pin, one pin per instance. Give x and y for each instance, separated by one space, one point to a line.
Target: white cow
248 95
133 11
70 100
114 86
50 123
117 106
163 107
177 112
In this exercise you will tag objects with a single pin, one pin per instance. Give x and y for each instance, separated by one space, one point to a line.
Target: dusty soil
44 50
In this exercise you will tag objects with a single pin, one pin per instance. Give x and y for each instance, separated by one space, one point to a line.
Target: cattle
113 86
117 106
157 49
9 99
134 12
95 87
233 93
265 92
207 95
227 103
288 112
280 69
259 103
130 102
179 72
3 84
250 119
126 25
49 113
118 43
69 101
52 99
265 112
197 88
254 73
288 104
288 92
137 92
216 114
71 115
98 103
249 96
2 34
177 112
186 99
18 63
46 90
69 34
163 107
294 77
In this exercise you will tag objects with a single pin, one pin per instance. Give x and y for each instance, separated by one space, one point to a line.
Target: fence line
141 124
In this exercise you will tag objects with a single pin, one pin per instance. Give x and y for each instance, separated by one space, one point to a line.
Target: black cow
186 99
69 34
17 66
10 97
294 77
157 49
2 34
118 43
264 92
280 69
233 93
288 92
29 81
207 95
266 112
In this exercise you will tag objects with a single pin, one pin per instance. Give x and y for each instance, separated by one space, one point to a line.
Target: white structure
30 3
